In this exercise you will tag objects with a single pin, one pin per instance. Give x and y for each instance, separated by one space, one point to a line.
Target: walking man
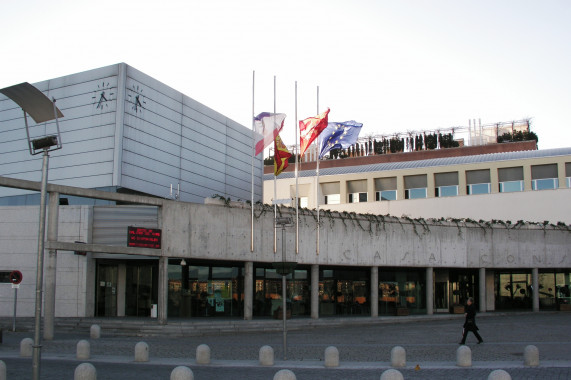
470 322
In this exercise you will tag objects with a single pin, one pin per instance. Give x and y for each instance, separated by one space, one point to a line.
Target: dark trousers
465 334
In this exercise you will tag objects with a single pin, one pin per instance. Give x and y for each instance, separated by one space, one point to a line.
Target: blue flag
339 136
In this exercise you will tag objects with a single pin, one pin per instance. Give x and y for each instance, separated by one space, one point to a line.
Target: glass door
139 290
106 294
441 297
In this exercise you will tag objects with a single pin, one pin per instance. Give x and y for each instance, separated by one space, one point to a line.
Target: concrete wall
223 232
18 251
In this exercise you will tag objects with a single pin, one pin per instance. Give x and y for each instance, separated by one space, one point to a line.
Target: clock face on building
136 98
102 95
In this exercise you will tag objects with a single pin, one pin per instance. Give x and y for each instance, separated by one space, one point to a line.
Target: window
357 191
333 199
415 186
446 184
544 177
331 193
386 189
478 182
568 174
415 193
479 188
386 195
357 197
446 191
303 202
510 179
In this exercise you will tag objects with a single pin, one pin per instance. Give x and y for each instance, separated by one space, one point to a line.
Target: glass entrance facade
268 292
344 291
402 289
200 289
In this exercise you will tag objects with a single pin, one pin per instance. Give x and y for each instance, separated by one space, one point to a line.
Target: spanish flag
281 156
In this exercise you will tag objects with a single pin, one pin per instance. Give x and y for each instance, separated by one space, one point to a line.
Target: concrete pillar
26 347
121 289
182 373
429 290
266 356
535 287
248 290
499 374
374 292
331 357
51 268
141 352
392 374
482 290
464 356
315 291
203 354
531 356
163 292
83 350
284 374
398 357
95 332
85 371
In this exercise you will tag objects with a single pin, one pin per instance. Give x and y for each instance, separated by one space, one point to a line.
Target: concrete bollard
83 350
95 332
2 370
85 371
141 352
398 357
464 356
331 357
531 356
499 374
266 356
26 347
392 374
284 374
182 373
203 354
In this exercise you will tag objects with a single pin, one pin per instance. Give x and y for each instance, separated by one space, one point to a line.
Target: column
315 291
374 291
535 287
430 291
482 290
51 270
163 290
121 289
248 289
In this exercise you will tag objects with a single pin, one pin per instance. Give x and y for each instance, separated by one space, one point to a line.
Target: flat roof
447 161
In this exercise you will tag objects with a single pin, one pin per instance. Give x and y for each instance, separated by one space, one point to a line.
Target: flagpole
275 182
296 177
317 178
253 150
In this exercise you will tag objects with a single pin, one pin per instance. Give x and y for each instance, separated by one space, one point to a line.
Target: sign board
10 277
141 237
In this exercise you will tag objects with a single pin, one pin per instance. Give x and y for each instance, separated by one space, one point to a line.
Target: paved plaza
364 349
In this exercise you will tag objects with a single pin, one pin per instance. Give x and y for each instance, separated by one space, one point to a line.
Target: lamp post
41 109
284 268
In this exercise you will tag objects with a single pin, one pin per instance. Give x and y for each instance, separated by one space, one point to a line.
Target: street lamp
284 268
34 103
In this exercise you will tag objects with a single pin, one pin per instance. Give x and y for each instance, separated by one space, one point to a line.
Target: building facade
124 131
414 235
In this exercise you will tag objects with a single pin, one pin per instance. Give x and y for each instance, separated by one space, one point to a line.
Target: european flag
339 136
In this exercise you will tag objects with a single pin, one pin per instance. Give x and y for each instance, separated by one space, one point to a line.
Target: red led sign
144 237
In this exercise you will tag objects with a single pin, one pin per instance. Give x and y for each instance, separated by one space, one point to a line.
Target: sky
395 66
